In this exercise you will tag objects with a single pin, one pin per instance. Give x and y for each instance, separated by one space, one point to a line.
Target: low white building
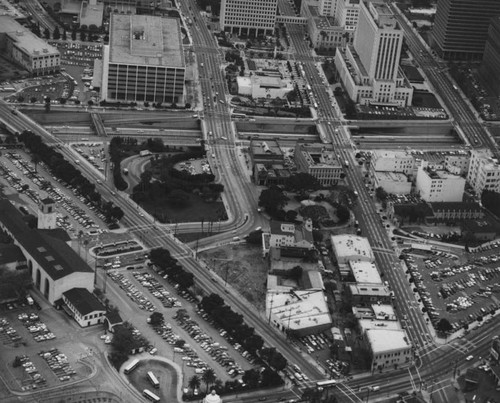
365 272
300 312
264 87
290 235
389 348
392 182
351 248
439 185
84 307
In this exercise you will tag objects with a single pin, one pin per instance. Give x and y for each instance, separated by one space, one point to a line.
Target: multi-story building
461 27
490 68
84 307
248 17
347 14
389 348
23 47
289 235
436 185
369 68
457 162
144 60
392 161
445 211
320 161
351 248
484 171
392 182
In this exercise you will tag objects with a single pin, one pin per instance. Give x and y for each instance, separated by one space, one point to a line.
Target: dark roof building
461 27
85 308
53 265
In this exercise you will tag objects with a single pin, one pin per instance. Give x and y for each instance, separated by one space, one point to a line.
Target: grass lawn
195 210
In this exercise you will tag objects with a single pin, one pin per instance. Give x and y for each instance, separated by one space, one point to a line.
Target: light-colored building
362 294
484 171
389 348
392 182
84 307
300 312
23 47
347 14
369 68
320 161
91 13
439 185
248 17
53 266
452 212
365 272
457 163
351 248
392 161
144 60
264 87
289 235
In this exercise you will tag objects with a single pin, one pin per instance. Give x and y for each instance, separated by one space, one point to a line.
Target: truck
145 153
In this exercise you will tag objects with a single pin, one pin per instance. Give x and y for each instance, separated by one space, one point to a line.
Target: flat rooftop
352 246
387 340
25 39
365 272
145 40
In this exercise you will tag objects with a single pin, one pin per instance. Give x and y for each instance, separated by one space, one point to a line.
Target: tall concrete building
490 68
461 27
369 68
248 17
347 14
144 60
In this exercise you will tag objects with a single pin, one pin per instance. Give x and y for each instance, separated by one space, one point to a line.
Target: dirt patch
243 267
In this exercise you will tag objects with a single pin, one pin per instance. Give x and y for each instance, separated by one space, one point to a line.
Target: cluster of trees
177 185
213 4
65 171
161 258
120 148
87 34
232 322
124 342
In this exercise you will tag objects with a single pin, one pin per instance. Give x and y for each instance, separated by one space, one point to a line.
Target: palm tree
194 382
208 377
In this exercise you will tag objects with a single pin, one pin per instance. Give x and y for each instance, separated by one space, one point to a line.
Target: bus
130 367
326 384
150 395
154 381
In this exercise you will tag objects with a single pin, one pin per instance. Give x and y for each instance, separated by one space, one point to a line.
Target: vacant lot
243 267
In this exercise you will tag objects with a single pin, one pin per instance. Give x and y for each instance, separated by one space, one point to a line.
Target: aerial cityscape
249 200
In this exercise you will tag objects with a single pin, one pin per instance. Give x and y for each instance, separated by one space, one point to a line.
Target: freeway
465 119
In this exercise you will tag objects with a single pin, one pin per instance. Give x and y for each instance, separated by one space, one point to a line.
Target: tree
90 103
296 273
444 326
47 104
178 197
251 378
46 33
83 36
208 377
35 159
272 200
381 194
64 36
73 35
156 318
57 34
301 182
194 382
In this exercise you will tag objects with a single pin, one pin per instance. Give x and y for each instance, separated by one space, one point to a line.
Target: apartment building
248 17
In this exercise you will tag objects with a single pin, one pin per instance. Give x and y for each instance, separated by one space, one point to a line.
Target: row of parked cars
34 378
7 333
36 327
132 292
206 342
189 355
314 342
16 182
58 363
148 281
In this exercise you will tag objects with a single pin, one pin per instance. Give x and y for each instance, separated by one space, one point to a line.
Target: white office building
248 17
347 14
369 68
436 185
392 161
484 171
389 348
23 47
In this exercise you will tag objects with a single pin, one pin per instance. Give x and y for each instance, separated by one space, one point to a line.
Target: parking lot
94 153
460 290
